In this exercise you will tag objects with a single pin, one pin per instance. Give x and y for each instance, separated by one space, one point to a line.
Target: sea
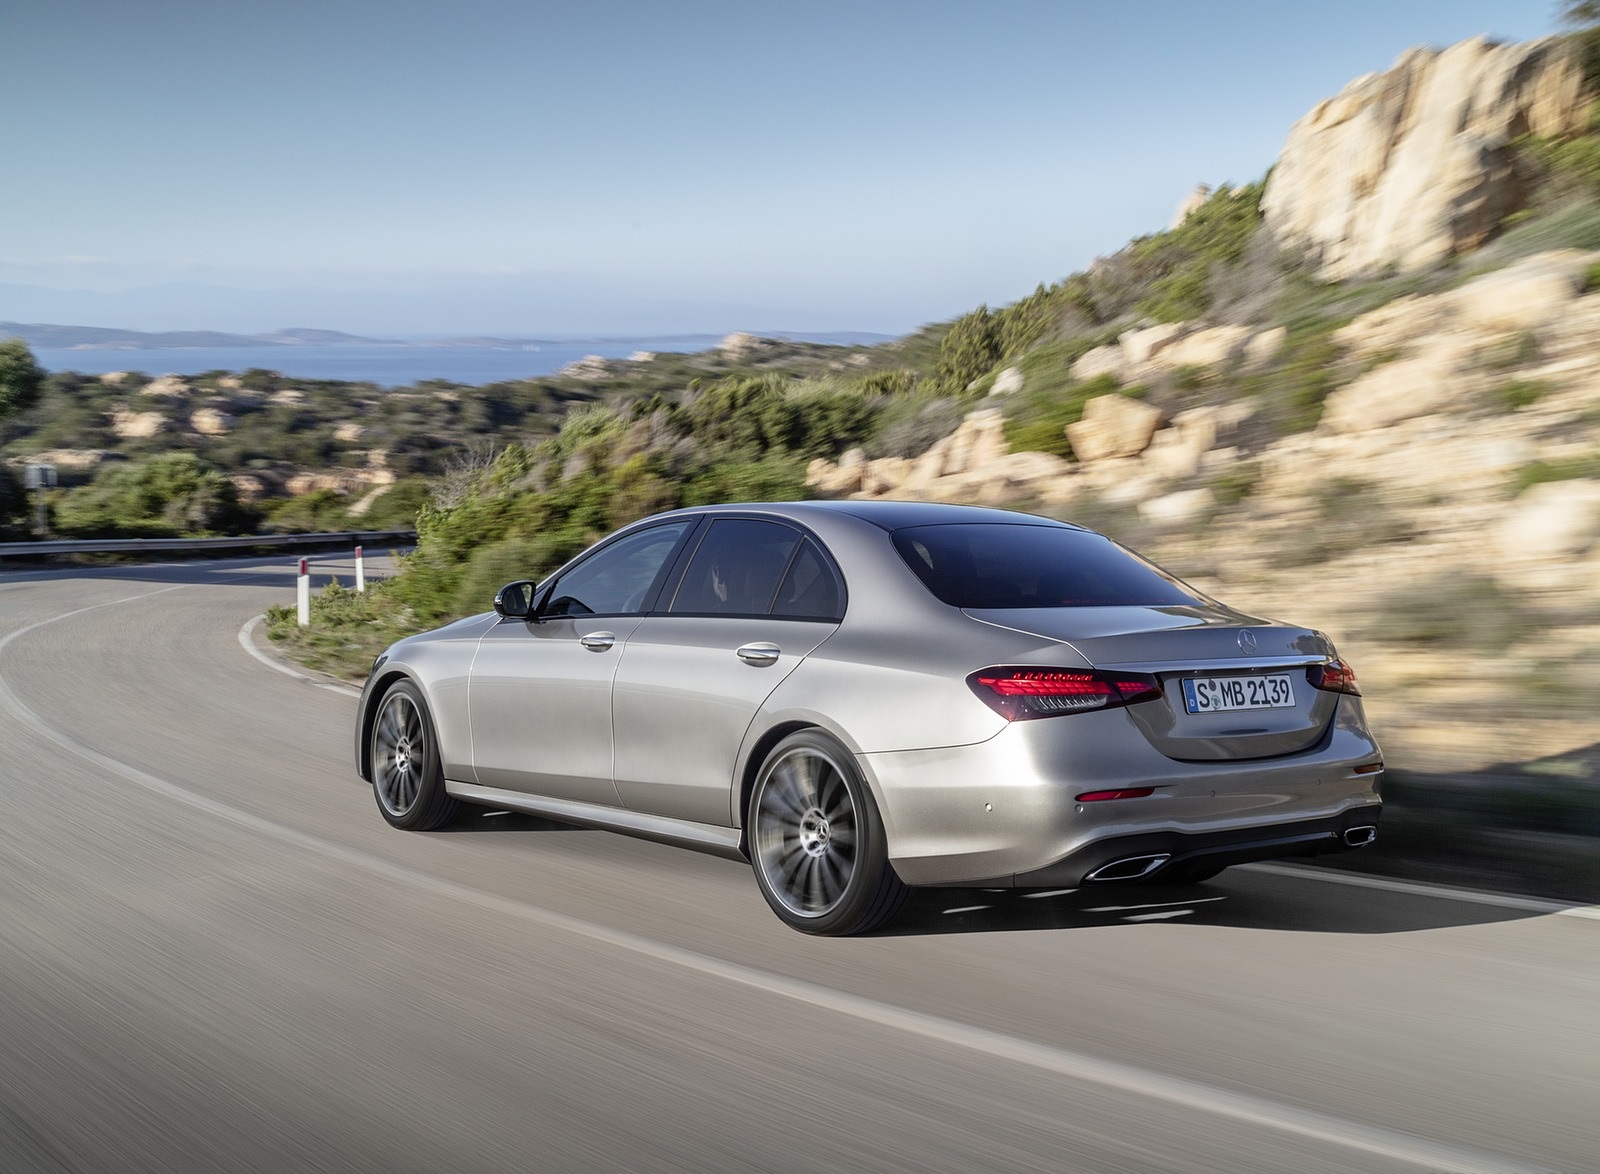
390 365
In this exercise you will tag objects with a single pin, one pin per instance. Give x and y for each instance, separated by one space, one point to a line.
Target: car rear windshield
1000 565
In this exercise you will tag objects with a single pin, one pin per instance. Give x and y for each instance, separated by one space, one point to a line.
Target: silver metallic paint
965 796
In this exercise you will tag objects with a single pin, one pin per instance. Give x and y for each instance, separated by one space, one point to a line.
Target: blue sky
599 166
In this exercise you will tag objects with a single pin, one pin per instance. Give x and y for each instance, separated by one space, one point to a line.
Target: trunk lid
1208 657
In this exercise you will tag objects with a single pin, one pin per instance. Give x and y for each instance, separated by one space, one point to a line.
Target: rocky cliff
1406 168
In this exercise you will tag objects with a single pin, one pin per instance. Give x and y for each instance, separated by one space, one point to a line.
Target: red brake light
1019 693
1335 677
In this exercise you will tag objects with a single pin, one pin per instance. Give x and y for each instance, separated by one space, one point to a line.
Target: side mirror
514 601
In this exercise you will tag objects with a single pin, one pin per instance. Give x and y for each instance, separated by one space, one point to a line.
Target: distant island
52 336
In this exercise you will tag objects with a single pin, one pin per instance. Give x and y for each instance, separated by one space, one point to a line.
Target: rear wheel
407 779
817 843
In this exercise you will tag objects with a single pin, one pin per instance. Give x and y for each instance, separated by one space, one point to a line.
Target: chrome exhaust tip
1128 868
1360 836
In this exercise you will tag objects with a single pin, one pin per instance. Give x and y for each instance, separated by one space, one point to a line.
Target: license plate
1220 694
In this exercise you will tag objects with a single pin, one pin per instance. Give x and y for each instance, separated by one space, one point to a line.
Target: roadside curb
269 657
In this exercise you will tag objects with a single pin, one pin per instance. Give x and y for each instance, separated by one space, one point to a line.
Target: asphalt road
214 955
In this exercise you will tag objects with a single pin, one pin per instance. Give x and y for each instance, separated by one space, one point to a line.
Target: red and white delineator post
361 571
302 594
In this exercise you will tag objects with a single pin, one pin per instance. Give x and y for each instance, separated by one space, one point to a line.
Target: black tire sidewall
434 805
855 912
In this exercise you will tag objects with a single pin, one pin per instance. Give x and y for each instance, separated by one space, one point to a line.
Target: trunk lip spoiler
1191 666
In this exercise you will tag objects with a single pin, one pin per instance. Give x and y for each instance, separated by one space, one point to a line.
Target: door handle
758 654
598 641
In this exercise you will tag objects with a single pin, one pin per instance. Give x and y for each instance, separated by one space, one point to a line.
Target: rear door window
737 568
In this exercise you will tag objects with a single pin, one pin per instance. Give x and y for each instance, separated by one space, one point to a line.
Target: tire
407 780
817 843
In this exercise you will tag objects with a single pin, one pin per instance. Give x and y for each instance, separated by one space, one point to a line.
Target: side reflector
1370 768
1125 793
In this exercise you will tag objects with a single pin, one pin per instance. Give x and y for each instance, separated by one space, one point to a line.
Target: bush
1456 611
1520 393
164 496
1567 469
1049 402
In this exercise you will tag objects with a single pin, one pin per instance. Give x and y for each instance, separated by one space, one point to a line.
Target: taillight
1335 677
1019 692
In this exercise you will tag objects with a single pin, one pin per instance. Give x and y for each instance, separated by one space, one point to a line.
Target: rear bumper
1240 846
1005 812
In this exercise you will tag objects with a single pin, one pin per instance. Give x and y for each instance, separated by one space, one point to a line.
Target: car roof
891 515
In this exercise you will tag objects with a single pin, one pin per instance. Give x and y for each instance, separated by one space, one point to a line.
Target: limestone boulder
138 425
1394 326
1215 346
833 480
287 397
739 345
884 476
76 460
1418 385
1102 360
1113 426
1406 168
589 368
1141 346
1550 523
349 432
166 385
1007 381
114 378
250 487
1528 295
211 422
1264 346
1184 506
1200 194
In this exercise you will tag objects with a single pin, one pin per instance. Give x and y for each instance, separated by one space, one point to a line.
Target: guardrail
200 545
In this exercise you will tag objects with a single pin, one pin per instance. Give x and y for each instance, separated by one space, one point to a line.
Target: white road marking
1419 889
967 909
1158 905
1164 915
1050 893
247 640
1188 1094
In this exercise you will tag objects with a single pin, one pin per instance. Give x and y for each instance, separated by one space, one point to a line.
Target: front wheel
407 780
817 843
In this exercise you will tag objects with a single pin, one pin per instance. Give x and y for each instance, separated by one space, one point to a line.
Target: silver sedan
858 697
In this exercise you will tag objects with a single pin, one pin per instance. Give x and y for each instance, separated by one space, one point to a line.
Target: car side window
617 579
811 590
736 569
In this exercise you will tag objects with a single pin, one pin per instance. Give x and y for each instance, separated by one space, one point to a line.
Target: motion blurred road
214 955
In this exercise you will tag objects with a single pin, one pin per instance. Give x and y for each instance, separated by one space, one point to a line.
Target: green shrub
1562 469
1235 483
1519 393
1454 611
1051 399
163 496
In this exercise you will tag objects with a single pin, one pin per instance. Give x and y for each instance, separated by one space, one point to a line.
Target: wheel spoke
786 801
834 876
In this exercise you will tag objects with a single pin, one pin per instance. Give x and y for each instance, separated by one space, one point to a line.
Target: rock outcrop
1410 167
1440 350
